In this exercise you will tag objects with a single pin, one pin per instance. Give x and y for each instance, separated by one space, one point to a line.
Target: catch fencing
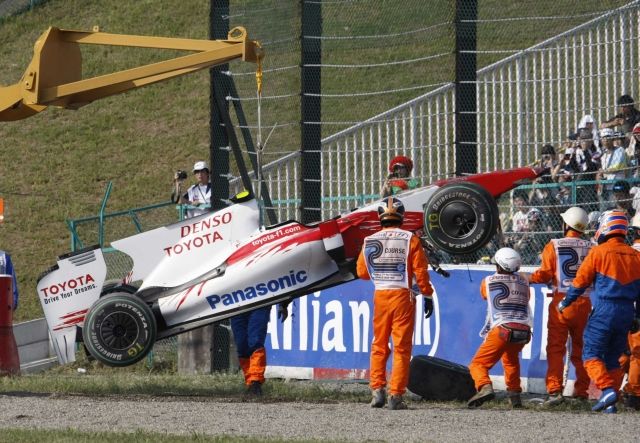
530 98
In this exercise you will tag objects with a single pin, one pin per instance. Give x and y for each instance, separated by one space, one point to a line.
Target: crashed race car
205 269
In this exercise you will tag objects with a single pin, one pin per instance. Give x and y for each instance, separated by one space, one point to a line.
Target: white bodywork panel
173 255
66 295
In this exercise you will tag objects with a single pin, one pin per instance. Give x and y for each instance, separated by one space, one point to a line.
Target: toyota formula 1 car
214 266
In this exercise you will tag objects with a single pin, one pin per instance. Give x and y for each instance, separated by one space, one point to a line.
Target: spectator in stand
567 166
519 217
622 199
633 152
563 196
533 238
588 160
619 139
614 163
544 198
628 116
548 158
587 122
541 196
399 178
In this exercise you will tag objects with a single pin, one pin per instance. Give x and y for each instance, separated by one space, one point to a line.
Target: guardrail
34 347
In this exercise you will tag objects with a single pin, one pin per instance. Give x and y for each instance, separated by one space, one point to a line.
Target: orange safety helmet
401 160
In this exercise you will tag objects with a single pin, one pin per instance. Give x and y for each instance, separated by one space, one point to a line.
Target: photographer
196 195
399 178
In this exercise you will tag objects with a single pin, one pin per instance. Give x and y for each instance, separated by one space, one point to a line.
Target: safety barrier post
9 359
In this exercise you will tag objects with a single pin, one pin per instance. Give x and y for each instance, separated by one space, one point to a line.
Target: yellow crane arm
54 76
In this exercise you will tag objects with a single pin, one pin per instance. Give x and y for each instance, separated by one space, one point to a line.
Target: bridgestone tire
440 380
119 329
114 287
460 218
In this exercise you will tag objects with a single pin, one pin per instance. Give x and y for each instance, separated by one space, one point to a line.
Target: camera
181 175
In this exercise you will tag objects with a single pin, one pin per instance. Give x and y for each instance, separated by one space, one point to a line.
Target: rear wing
66 293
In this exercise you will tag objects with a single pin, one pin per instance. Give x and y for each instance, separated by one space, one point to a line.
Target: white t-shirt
198 195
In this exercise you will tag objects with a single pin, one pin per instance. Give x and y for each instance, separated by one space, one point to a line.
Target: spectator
563 196
548 158
588 161
628 116
622 199
587 122
533 239
619 139
519 217
568 165
541 192
6 268
614 162
197 195
633 152
399 178
544 198
590 154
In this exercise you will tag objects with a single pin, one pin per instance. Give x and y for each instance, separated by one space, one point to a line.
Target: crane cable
259 146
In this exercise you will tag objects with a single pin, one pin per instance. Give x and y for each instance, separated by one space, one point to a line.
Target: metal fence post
311 111
465 83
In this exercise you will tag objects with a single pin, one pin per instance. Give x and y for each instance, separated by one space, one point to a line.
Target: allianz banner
333 328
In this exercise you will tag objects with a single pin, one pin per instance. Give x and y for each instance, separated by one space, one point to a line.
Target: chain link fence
14 7
388 76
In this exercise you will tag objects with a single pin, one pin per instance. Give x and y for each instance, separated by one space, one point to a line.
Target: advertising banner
332 329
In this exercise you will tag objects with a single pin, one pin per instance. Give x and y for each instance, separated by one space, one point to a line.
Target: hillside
55 166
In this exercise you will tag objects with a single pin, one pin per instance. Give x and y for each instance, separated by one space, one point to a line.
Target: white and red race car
214 266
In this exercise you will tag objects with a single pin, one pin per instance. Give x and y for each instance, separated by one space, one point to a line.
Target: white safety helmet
576 218
508 259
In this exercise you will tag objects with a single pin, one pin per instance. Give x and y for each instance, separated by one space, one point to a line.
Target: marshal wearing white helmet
508 259
561 259
508 328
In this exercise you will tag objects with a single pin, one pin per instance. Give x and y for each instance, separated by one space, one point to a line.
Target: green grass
162 380
56 165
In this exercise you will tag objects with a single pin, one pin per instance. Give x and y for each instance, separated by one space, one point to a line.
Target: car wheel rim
458 220
119 330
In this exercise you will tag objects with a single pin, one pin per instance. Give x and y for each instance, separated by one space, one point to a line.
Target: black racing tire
112 287
119 329
440 380
460 218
